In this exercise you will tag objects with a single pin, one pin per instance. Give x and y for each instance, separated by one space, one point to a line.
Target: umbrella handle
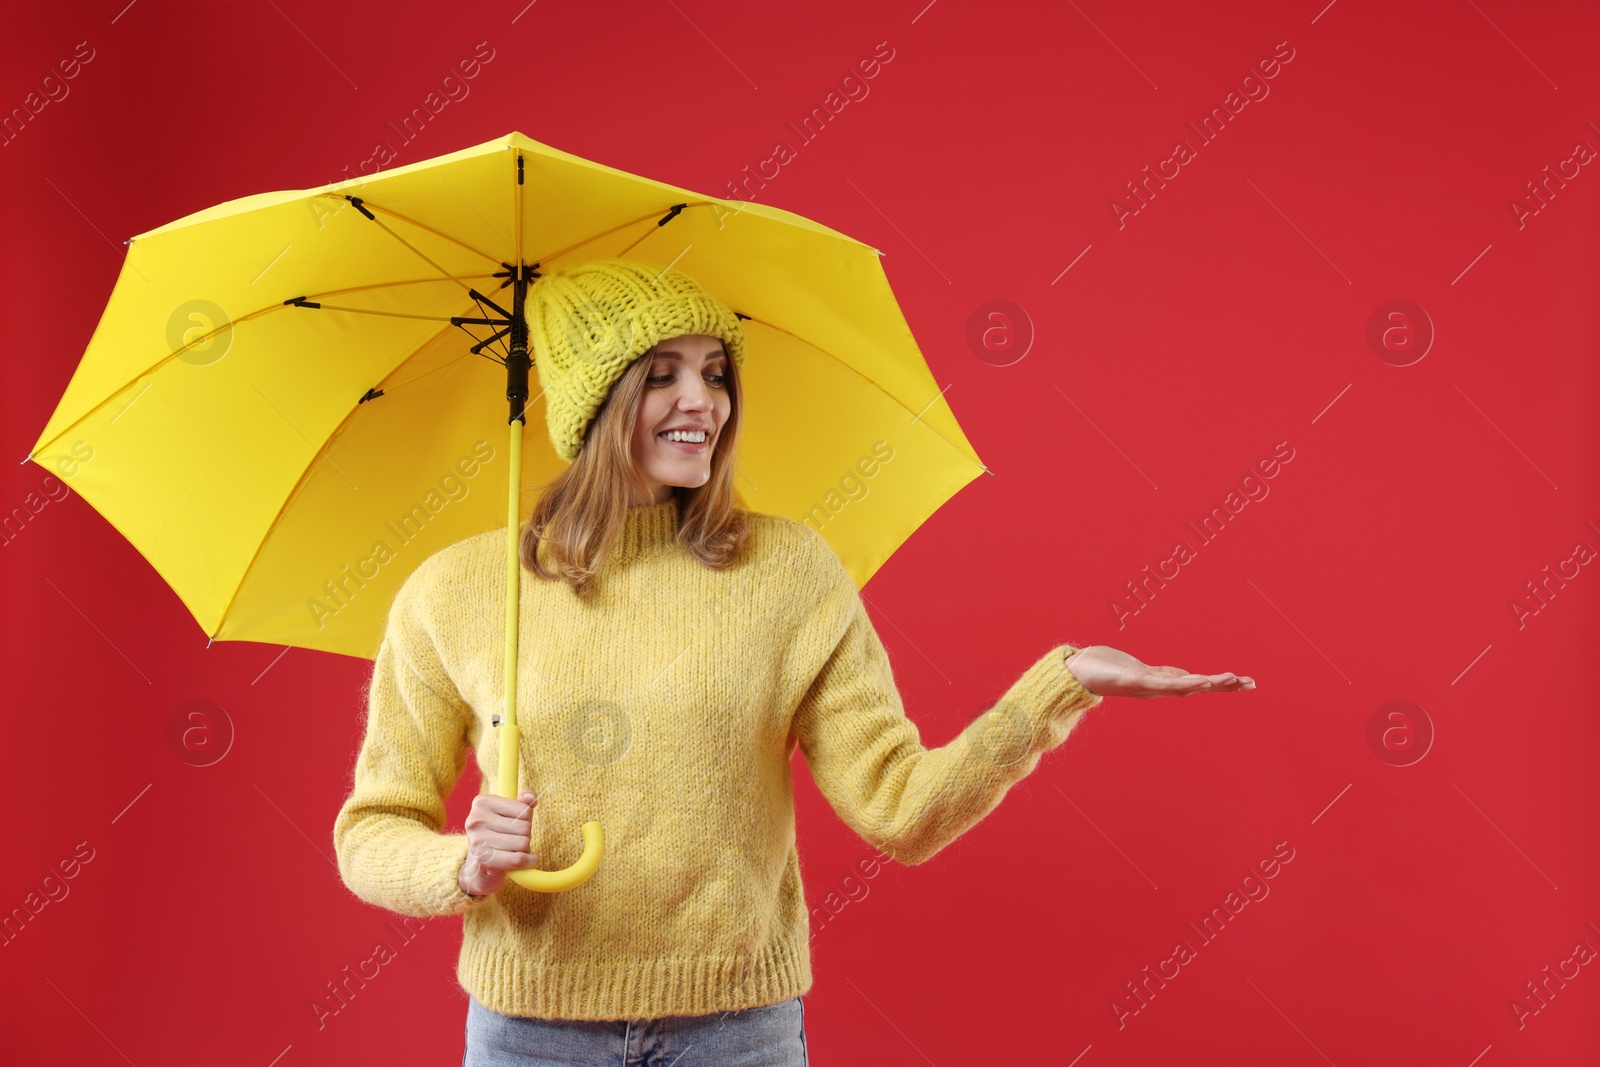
594 846
594 840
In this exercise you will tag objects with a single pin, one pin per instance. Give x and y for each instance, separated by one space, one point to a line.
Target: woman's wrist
1070 657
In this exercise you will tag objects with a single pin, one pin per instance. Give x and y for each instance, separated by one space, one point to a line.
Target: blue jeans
772 1035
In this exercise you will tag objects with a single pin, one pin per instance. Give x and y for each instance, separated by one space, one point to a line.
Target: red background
1226 316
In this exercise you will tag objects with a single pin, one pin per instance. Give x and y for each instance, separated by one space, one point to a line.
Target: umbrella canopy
285 421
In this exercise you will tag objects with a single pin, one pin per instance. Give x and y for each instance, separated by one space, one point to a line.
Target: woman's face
686 390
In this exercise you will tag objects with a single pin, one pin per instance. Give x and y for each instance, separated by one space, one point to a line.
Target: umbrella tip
24 460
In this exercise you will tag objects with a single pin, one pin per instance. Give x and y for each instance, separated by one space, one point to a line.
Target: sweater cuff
1037 712
458 899
451 898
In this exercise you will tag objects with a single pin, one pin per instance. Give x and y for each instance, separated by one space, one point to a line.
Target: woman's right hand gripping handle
499 832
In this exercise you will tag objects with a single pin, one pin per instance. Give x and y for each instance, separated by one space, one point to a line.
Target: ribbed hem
620 987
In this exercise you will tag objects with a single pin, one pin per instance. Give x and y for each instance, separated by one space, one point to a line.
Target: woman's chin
692 480
685 475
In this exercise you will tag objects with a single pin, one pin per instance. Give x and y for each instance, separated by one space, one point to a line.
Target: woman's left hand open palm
1105 671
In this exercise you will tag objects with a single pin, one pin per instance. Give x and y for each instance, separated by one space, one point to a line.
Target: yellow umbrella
290 397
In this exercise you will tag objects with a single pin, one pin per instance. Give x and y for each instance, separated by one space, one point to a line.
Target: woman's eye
663 379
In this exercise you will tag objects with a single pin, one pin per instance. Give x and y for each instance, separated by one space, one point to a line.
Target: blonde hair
580 512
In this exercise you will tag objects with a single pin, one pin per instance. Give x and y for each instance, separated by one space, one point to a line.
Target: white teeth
696 436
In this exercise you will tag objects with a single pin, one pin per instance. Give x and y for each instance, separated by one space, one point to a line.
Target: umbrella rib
422 255
916 416
388 314
432 370
662 218
361 204
231 323
592 238
305 475
389 285
125 386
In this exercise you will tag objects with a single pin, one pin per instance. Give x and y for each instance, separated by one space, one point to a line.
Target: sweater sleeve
386 835
867 758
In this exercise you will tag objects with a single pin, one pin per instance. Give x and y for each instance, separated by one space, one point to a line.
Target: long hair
579 513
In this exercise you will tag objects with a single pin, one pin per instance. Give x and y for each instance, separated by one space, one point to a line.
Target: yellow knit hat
588 321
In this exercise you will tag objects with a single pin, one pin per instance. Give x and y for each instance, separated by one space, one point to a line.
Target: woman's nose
695 396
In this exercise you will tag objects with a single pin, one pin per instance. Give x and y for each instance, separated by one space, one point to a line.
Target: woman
677 648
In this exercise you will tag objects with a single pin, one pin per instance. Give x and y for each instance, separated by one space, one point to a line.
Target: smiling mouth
691 447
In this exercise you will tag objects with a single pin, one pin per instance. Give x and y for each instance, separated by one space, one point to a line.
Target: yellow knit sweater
667 705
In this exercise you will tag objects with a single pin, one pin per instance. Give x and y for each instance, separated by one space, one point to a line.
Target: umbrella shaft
509 746
518 362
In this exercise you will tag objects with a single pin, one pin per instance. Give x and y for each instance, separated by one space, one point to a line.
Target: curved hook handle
594 842
594 847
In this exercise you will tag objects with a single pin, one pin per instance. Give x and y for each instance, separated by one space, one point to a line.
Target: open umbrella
290 396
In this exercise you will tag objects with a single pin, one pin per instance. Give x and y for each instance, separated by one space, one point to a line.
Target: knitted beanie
588 321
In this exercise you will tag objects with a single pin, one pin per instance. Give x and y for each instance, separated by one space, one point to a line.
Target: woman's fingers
1229 680
507 824
1176 680
1226 682
519 807
504 859
499 830
1182 684
511 842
